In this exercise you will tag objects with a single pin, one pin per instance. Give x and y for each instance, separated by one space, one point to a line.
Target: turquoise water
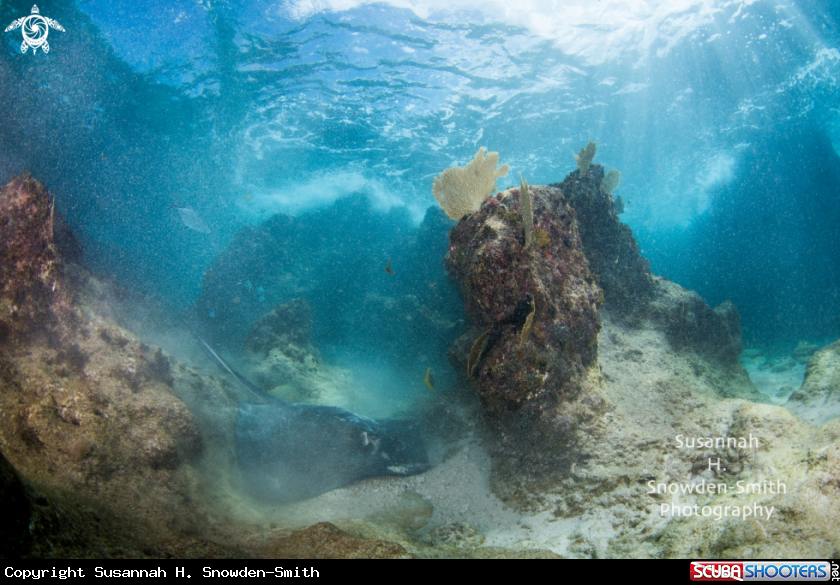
720 115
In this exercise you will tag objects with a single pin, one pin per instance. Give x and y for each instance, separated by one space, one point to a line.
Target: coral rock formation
284 362
539 376
285 326
31 276
526 380
635 297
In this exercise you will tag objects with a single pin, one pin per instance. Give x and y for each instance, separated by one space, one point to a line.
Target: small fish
388 268
429 381
191 219
433 284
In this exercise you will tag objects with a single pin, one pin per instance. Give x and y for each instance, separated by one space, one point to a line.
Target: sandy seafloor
775 376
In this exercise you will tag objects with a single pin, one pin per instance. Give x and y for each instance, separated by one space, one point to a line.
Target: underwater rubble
818 400
591 376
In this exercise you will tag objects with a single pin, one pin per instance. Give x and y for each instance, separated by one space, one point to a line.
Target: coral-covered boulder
537 306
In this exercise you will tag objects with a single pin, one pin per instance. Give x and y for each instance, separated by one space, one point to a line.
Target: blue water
721 116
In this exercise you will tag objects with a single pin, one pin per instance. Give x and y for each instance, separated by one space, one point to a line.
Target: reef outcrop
404 316
609 246
33 295
535 313
635 297
89 414
282 360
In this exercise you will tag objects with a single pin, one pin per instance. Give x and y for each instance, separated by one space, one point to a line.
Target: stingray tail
217 359
223 365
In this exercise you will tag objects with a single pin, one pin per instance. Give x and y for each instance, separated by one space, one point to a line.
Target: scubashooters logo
35 29
760 571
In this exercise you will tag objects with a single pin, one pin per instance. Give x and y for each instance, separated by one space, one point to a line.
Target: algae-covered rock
610 248
326 541
500 280
690 323
87 409
522 376
281 358
287 324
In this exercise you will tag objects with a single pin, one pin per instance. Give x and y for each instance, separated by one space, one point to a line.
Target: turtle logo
35 30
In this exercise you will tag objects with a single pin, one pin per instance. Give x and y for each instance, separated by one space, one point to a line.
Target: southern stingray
289 451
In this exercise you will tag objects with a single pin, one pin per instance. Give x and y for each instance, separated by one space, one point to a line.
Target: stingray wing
15 24
54 24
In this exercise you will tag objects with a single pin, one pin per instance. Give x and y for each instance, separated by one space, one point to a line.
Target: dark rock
632 294
14 537
30 265
689 323
285 325
609 245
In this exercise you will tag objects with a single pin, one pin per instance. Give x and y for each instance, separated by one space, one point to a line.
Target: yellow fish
429 382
